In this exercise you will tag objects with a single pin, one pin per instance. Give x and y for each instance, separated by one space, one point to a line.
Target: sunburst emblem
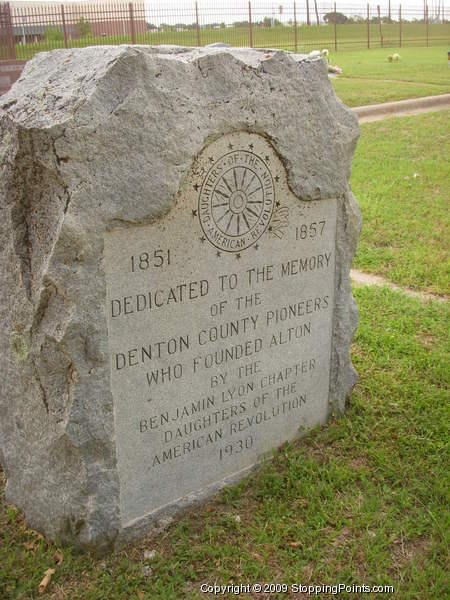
236 202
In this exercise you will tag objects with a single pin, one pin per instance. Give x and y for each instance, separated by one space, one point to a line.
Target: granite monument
177 233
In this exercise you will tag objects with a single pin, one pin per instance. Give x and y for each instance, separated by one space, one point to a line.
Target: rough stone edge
79 528
343 376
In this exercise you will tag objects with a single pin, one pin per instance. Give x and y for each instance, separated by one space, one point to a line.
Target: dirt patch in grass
404 552
426 340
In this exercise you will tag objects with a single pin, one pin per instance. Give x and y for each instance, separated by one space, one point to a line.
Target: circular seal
236 200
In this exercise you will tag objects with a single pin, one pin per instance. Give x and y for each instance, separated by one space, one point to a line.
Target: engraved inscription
219 326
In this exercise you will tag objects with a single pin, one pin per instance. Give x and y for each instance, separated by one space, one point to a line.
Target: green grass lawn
419 65
368 78
401 179
361 92
363 500
349 37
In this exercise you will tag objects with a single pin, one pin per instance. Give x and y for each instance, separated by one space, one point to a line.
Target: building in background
33 21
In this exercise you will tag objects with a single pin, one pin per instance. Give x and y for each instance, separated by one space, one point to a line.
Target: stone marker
177 232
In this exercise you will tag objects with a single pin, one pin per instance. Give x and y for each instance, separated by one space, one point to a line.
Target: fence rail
298 26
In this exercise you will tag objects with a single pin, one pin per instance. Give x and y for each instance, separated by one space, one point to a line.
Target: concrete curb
376 112
360 279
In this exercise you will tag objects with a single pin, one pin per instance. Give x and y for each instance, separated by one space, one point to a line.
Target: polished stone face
219 325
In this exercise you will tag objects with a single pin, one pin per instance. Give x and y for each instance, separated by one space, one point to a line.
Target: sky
233 10
228 11
182 5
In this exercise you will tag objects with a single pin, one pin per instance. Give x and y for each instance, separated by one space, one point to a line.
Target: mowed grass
349 37
362 92
421 65
401 179
368 77
363 500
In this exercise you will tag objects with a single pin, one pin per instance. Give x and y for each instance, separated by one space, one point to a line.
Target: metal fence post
7 41
197 24
12 39
63 19
295 28
133 32
307 13
250 28
368 27
379 21
400 25
426 22
335 32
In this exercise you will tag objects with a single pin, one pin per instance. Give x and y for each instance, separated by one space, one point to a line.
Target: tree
53 34
83 28
340 18
269 22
